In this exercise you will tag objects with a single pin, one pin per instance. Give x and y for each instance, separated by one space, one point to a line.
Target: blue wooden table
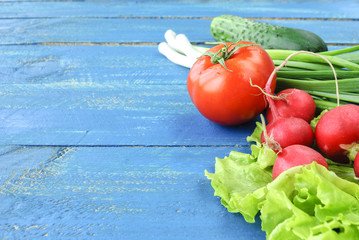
98 136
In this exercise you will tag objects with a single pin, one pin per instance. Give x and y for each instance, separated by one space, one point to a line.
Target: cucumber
229 28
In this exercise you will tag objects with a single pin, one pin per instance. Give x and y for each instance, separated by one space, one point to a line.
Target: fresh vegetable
310 203
281 131
356 165
295 155
235 179
179 50
304 202
337 133
220 82
229 28
305 72
293 103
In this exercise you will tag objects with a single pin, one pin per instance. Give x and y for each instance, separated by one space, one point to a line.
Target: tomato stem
225 53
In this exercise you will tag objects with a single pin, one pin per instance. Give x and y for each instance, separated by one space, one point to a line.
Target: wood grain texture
94 66
122 30
115 193
144 8
37 114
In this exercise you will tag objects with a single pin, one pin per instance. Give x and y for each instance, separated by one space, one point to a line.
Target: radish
284 131
356 166
287 131
296 155
337 133
293 103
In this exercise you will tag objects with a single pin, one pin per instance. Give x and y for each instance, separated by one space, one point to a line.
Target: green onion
352 57
297 65
322 105
345 85
336 61
319 75
345 96
340 51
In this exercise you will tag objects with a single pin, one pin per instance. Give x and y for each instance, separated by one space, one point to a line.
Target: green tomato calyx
225 53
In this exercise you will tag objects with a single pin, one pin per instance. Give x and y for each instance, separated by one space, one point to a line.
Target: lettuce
311 202
240 183
304 202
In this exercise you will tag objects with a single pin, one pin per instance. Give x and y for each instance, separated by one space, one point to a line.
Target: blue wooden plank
112 193
82 66
138 30
127 115
115 9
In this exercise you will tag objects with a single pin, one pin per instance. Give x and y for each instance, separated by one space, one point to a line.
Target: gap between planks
130 146
197 18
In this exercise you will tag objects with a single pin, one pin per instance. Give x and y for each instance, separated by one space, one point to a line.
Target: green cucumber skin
229 28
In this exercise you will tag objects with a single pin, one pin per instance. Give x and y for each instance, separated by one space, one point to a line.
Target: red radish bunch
296 155
337 133
285 128
289 127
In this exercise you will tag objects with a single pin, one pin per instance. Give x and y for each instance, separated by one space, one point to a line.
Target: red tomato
227 97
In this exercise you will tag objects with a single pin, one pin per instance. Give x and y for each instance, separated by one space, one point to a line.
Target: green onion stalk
329 84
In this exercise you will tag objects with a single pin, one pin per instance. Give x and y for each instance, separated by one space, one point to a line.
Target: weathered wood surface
115 31
99 138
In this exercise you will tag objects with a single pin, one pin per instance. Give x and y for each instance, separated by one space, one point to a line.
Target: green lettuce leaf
256 135
314 121
311 202
344 171
240 183
305 202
